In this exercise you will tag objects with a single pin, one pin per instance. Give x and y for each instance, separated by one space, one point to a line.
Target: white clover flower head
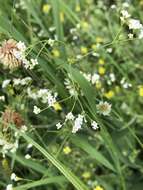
36 110
9 187
104 108
94 125
5 83
70 116
59 125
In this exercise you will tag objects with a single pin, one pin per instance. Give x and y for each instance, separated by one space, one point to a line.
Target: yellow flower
94 47
77 8
56 53
67 150
98 85
141 91
62 18
109 94
57 106
99 39
117 89
98 188
86 175
101 70
85 25
101 61
84 50
46 8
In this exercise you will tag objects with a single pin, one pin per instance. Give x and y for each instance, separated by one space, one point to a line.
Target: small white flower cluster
45 95
19 54
77 122
70 87
133 24
125 84
24 81
16 81
92 78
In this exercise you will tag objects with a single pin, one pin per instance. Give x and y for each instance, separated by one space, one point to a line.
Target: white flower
27 156
130 35
5 83
13 177
51 42
2 98
112 77
16 81
141 34
23 128
9 187
21 46
70 87
36 110
70 116
59 125
34 62
78 123
95 78
104 108
94 125
134 24
125 14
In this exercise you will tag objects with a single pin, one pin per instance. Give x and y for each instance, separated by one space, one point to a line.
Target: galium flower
104 108
36 110
59 125
94 125
78 123
134 24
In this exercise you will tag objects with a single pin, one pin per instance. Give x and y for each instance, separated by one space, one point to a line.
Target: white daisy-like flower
104 108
